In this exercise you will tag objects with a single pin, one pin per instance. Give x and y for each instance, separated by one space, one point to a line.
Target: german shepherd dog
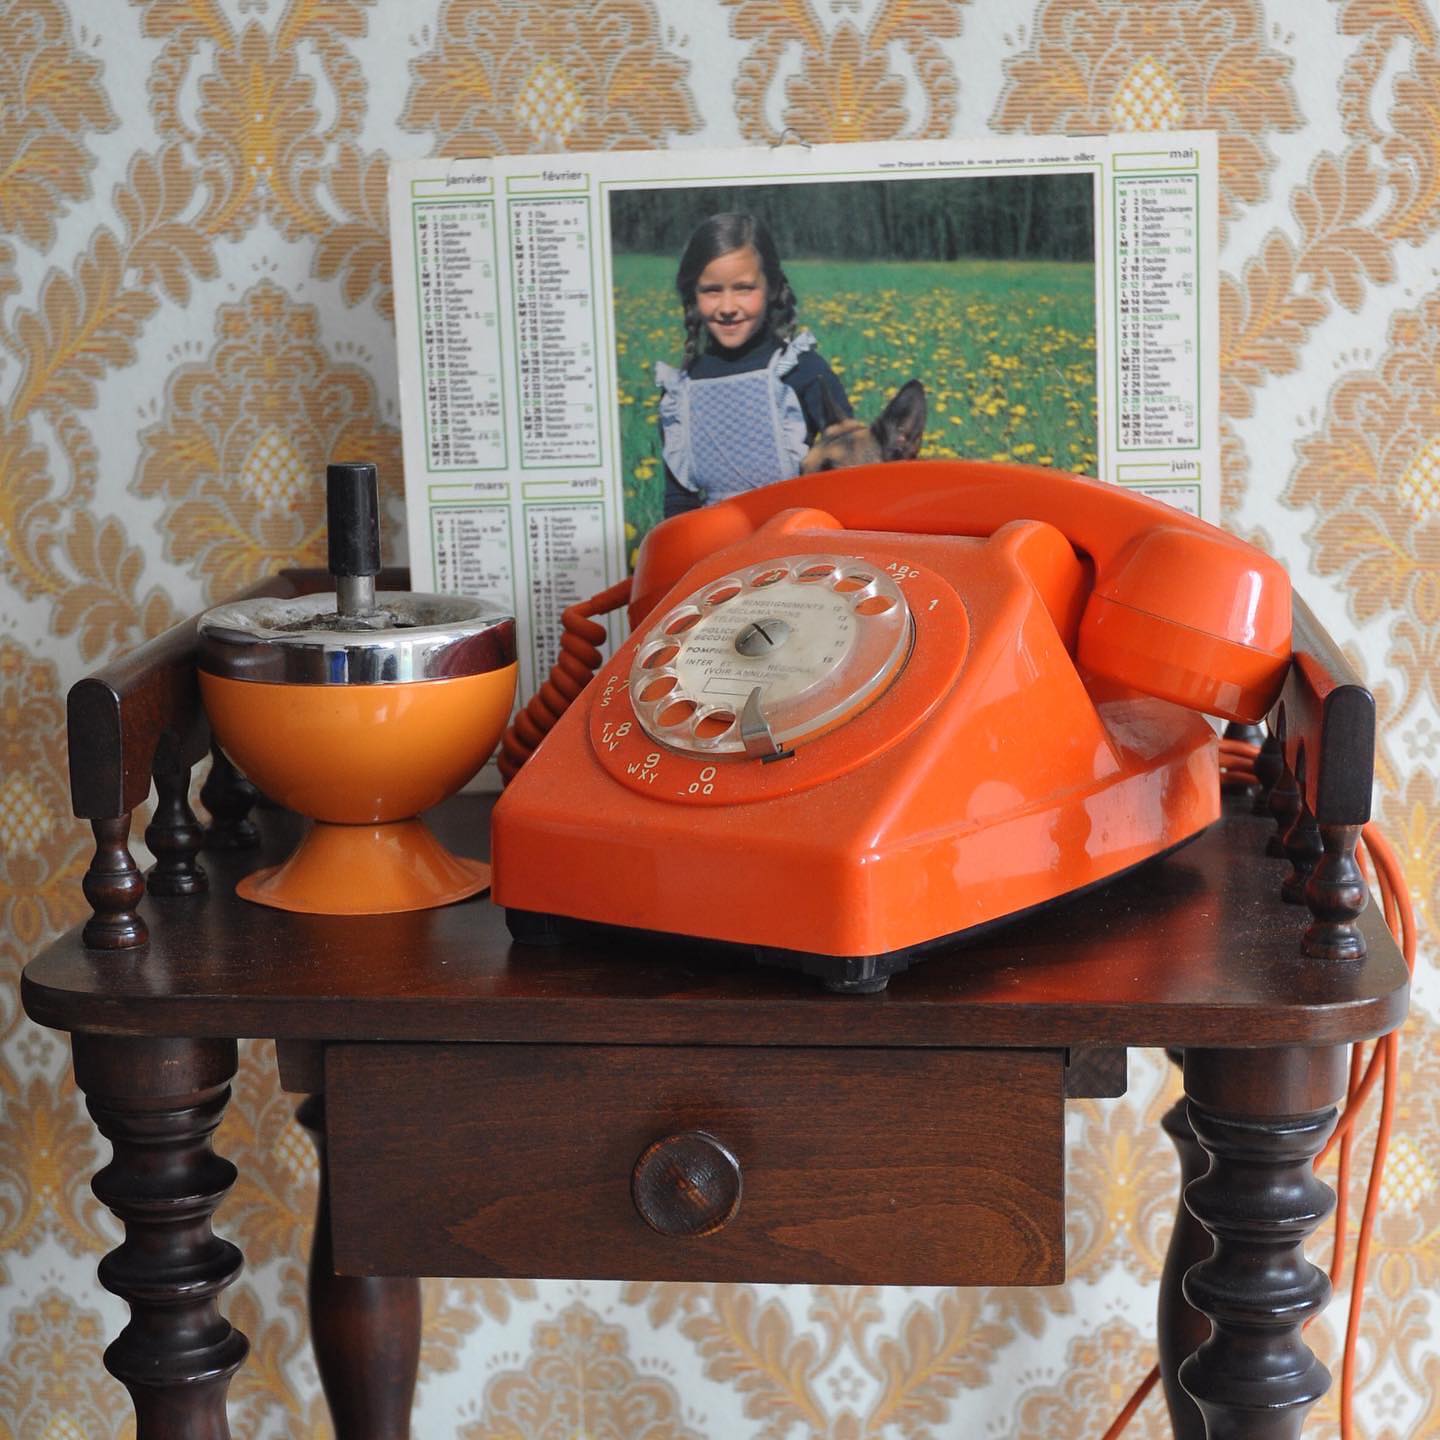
894 436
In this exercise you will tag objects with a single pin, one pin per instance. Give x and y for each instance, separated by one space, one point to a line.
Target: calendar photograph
957 314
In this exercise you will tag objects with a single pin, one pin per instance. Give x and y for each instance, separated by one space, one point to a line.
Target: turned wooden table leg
1261 1116
1180 1329
158 1103
365 1328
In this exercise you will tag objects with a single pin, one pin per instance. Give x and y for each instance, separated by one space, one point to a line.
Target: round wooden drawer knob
686 1185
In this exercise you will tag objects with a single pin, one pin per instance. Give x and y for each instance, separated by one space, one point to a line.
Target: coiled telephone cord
575 667
1237 764
573 670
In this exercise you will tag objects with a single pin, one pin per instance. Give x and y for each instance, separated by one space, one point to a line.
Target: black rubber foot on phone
534 927
857 987
840 974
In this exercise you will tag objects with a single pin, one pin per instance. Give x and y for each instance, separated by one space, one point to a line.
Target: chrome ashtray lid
304 640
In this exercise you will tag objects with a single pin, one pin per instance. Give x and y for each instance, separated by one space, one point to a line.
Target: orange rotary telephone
866 710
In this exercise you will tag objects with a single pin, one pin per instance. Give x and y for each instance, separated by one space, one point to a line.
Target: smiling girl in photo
752 392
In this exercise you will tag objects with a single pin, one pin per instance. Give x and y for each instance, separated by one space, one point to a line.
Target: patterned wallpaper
195 314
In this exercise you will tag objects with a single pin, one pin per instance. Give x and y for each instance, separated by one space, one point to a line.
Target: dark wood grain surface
875 1166
1191 949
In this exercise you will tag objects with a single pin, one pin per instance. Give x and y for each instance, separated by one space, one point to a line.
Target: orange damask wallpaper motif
1097 66
195 313
233 456
510 77
847 83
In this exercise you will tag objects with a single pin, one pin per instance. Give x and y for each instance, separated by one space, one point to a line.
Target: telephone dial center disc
769 655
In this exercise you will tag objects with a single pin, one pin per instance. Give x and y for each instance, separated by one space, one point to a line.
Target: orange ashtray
361 730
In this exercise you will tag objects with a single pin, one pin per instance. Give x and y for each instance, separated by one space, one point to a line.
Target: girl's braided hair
718 236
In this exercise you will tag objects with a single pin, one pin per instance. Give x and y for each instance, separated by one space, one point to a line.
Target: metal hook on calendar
791 136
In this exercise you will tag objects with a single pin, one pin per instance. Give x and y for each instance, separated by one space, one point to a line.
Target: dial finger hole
874 605
658 688
854 580
660 655
713 724
679 624
811 573
769 577
677 712
721 593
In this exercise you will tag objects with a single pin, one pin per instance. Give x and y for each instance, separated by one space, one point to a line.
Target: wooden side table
656 1109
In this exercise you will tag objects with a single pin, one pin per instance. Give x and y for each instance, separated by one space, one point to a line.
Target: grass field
1005 349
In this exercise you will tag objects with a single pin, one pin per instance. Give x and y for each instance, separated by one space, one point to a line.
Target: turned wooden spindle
174 834
1303 849
1284 809
158 1102
1325 723
1336 893
229 797
1260 1201
1181 1329
114 887
1255 1377
1269 765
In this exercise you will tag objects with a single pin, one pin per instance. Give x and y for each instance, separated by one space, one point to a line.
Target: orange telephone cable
1237 761
573 670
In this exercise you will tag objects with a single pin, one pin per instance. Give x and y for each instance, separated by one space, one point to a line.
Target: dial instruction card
590 342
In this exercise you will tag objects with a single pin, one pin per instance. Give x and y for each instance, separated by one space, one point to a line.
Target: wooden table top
1194 948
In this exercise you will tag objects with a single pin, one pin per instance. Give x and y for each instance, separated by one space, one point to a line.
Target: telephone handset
866 710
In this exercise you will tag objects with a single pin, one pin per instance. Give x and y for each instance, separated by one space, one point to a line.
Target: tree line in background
990 217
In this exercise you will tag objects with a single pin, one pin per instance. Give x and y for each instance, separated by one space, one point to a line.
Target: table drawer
882 1166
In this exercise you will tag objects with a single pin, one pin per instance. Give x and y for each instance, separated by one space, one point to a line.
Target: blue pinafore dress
730 433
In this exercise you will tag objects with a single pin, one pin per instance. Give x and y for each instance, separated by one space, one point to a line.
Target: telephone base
838 974
842 974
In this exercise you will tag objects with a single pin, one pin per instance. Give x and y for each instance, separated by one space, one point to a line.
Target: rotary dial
770 655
